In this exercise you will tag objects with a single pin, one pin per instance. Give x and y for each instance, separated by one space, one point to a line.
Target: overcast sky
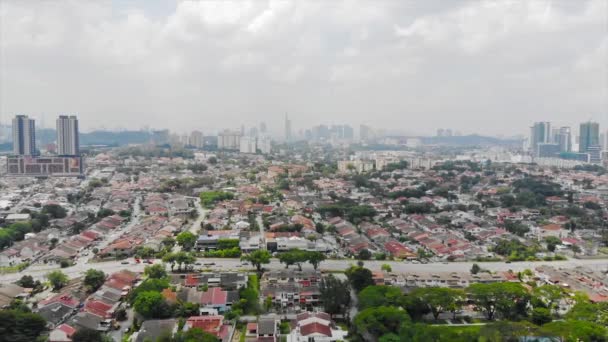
485 67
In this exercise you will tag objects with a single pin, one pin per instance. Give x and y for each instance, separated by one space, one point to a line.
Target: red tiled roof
169 295
191 280
552 226
61 298
377 232
124 276
98 308
397 249
306 315
597 298
68 330
315 328
210 324
214 296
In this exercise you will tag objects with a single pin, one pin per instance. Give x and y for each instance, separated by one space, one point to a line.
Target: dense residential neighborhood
305 247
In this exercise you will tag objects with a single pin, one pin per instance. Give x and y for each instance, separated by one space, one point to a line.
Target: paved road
331 265
135 219
202 212
196 224
260 222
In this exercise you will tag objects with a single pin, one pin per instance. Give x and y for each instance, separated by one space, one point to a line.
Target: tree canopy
359 277
57 279
258 258
93 279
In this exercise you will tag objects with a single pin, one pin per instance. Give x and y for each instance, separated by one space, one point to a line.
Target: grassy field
13 269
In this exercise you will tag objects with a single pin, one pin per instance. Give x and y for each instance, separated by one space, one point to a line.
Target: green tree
548 295
415 307
475 269
105 212
57 279
379 295
93 279
293 257
168 242
150 284
575 249
506 331
315 258
157 271
170 258
439 299
20 326
18 304
506 299
197 335
552 242
423 253
26 281
121 314
249 302
268 303
145 252
570 330
359 277
151 304
335 295
88 335
54 210
364 254
379 321
541 316
584 310
258 258
386 268
184 258
186 240
186 309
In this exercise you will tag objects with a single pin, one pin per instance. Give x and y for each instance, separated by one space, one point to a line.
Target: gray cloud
490 67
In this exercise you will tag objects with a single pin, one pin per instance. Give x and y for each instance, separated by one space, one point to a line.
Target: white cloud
399 62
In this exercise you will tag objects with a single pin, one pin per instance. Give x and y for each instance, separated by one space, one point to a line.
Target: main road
327 265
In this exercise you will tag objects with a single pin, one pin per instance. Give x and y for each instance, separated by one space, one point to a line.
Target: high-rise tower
589 135
68 140
287 128
540 133
24 136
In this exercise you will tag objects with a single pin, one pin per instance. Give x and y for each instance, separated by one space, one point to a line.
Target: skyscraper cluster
24 136
548 142
25 160
335 132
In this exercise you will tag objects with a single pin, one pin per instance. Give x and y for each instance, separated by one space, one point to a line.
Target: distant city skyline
213 65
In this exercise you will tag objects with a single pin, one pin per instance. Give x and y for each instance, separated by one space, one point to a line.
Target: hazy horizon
491 68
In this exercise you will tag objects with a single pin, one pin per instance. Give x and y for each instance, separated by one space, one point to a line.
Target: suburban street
135 219
327 265
196 225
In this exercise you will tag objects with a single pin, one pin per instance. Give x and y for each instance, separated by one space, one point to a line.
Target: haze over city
303 171
477 67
